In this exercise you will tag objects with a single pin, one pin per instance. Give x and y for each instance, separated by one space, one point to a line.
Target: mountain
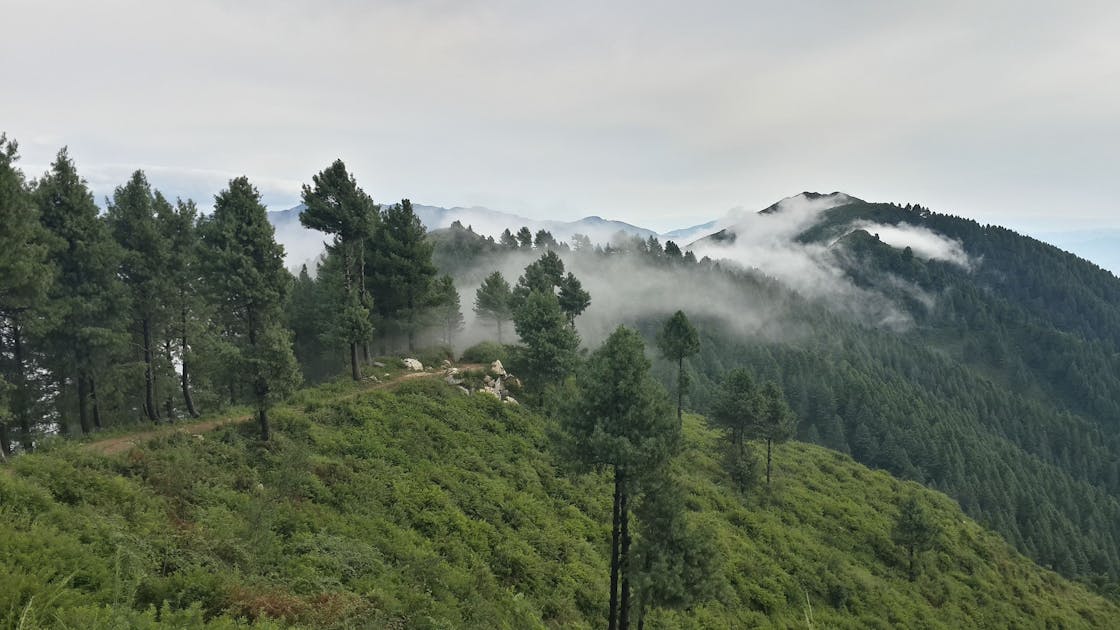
969 358
424 508
304 245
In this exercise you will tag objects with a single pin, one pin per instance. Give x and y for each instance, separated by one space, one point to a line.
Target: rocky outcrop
413 365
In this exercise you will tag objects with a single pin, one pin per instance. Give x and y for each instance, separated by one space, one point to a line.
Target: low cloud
925 243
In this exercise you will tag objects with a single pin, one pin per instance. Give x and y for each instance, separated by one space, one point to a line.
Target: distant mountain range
1100 247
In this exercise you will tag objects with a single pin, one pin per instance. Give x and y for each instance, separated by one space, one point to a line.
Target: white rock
491 393
377 364
466 392
497 368
413 365
511 400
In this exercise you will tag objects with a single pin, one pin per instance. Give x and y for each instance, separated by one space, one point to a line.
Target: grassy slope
425 508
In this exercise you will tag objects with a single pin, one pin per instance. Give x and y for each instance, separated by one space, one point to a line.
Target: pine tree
678 340
573 299
337 206
247 282
447 307
132 221
914 530
675 567
25 275
401 270
621 419
508 240
775 422
88 302
186 308
549 352
524 238
493 300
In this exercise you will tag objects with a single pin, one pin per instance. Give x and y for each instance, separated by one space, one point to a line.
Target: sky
659 114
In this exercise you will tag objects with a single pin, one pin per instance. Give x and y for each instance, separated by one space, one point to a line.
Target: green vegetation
425 508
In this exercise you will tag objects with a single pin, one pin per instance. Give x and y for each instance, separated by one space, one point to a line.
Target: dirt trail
122 443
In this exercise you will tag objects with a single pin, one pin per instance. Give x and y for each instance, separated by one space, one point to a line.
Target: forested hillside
425 508
994 380
966 358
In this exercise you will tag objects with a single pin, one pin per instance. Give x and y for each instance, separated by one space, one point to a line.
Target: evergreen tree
545 240
186 307
447 307
308 309
736 407
544 275
672 250
493 300
508 240
549 351
401 270
677 340
621 419
337 206
674 565
775 421
914 531
524 238
88 301
248 283
573 299
25 275
143 269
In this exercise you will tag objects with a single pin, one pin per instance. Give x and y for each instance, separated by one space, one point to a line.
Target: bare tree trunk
149 372
83 402
5 441
355 371
262 418
612 620
93 402
21 398
188 400
169 400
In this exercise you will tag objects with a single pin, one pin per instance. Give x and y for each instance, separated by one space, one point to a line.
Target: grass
422 507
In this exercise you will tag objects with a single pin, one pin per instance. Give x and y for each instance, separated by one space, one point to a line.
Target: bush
486 352
432 356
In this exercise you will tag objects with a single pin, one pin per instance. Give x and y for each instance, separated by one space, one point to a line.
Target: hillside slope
424 508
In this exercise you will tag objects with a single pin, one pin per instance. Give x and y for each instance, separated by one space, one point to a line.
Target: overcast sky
660 114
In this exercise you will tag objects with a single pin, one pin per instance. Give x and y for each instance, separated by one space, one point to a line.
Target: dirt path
123 443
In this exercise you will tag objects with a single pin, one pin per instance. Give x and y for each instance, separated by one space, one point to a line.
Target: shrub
486 352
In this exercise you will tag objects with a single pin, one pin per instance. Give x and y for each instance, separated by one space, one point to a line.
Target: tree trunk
499 330
21 398
169 401
355 371
5 441
83 403
93 402
769 442
262 418
612 619
184 380
149 372
624 564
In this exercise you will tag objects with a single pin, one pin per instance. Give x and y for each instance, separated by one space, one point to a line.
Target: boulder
511 400
497 368
413 365
445 364
466 392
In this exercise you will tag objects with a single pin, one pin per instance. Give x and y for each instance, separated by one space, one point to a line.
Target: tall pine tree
247 282
401 270
336 205
88 301
24 278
